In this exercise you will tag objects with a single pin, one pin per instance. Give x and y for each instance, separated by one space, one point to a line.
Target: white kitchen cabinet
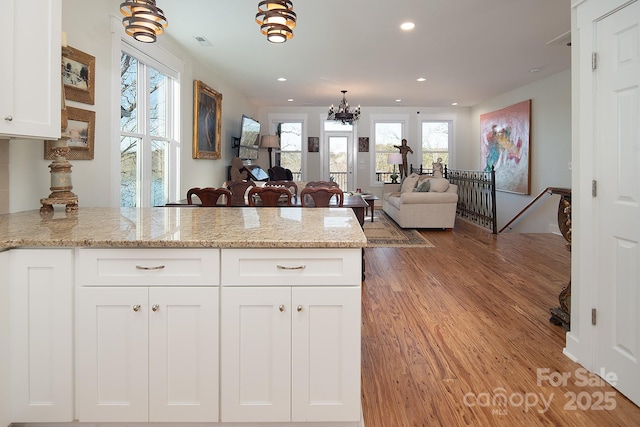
147 353
41 312
290 352
30 75
5 355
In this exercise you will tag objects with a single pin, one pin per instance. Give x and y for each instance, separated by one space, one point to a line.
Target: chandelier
143 20
343 113
276 19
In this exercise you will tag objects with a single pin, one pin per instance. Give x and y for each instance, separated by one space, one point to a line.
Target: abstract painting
505 146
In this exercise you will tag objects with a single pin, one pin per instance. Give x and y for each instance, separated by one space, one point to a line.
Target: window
291 147
436 142
149 129
386 135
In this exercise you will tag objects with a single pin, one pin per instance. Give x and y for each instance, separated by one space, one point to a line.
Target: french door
339 159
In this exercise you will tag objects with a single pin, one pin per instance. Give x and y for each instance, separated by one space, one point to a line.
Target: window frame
168 64
451 138
275 119
403 119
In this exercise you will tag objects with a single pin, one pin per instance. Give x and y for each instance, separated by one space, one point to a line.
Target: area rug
383 232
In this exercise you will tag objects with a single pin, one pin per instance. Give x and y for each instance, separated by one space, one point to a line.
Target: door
183 354
325 354
618 200
112 354
256 354
339 159
41 307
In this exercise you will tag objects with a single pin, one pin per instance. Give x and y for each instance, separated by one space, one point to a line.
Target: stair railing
546 192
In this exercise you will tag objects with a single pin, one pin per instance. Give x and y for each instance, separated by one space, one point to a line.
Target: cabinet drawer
298 267
151 267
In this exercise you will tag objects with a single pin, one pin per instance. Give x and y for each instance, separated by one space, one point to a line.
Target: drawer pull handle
9 118
141 267
281 308
299 308
155 307
136 308
300 267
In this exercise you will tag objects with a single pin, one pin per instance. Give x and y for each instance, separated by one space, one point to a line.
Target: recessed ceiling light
421 79
454 103
534 70
282 79
290 100
398 100
406 26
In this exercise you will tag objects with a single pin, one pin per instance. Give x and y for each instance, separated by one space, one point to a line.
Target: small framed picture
314 144
81 130
363 144
78 75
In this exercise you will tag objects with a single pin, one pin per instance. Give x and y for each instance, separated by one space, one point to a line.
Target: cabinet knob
299 308
155 307
281 308
9 118
136 308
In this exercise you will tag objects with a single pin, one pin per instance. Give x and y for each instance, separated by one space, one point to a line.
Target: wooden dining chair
321 196
209 196
289 185
239 190
270 196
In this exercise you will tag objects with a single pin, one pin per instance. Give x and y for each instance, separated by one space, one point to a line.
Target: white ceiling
468 50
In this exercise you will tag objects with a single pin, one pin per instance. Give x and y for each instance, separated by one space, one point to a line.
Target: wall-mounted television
249 138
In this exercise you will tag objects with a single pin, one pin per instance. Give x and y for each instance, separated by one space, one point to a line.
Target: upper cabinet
30 77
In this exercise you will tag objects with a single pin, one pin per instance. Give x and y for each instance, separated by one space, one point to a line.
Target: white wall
87 24
550 150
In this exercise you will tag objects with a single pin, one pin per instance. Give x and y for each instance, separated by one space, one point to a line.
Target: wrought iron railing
476 196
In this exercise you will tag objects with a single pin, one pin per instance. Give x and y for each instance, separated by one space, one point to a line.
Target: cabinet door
112 376
256 354
41 334
183 354
326 354
5 355
30 75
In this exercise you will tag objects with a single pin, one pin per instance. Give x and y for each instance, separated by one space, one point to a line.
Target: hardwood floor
447 330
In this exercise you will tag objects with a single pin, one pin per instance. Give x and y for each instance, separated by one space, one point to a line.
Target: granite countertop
184 227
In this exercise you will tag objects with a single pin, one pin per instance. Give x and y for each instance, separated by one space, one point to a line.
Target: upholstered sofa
423 202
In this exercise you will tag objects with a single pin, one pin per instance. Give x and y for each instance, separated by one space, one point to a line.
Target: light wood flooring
470 317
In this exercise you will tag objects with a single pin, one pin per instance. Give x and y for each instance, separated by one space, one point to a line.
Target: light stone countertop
184 227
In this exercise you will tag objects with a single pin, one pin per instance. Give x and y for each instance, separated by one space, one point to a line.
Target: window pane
435 136
159 175
435 142
291 160
331 125
291 137
129 171
128 93
157 103
386 136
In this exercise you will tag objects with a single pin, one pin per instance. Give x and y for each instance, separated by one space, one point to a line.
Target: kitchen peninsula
224 316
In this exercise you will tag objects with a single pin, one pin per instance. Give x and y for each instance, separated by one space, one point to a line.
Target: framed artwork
81 129
506 145
314 144
207 121
78 75
363 144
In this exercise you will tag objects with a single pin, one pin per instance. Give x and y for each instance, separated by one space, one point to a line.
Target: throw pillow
409 183
439 185
423 186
